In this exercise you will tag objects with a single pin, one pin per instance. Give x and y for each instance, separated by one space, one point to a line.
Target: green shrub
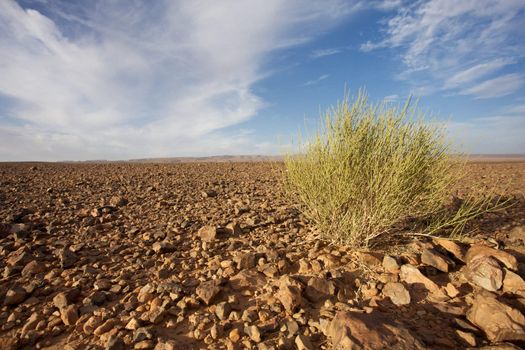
370 168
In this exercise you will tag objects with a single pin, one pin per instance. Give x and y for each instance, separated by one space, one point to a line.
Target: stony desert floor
212 255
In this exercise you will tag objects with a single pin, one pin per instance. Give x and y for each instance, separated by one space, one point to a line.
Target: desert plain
213 255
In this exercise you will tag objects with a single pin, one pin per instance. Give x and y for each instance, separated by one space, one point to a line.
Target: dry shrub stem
369 168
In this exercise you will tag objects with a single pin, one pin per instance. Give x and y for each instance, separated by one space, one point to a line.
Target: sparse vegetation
371 168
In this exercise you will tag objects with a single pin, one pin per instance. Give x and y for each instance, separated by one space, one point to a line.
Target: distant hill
261 158
496 157
219 159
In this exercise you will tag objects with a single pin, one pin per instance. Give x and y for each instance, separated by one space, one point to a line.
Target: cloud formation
137 79
325 52
391 98
317 80
455 43
476 72
497 87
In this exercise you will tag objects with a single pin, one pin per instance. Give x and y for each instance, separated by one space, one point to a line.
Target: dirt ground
212 255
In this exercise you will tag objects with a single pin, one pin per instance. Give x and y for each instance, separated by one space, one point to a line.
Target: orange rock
457 249
349 330
479 250
207 233
499 321
485 272
411 275
513 283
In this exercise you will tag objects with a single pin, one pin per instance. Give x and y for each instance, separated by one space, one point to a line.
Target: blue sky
131 79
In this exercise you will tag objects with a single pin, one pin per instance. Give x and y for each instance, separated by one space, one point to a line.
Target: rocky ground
193 256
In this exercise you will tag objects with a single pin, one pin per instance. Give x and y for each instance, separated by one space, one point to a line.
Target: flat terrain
212 255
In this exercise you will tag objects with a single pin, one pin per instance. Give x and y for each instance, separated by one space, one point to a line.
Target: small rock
105 327
431 257
411 275
397 293
248 279
63 299
102 284
465 325
370 259
207 233
289 293
20 257
166 345
330 260
234 335
133 324
156 314
451 290
349 330
32 268
10 271
468 338
500 322
485 272
115 343
303 343
478 250
69 315
458 250
15 295
163 247
118 201
141 334
207 291
209 193
96 298
222 310
234 229
513 283
239 210
215 331
245 261
318 289
369 290
144 345
91 324
20 231
253 332
390 264
292 327
169 287
31 323
146 293
67 258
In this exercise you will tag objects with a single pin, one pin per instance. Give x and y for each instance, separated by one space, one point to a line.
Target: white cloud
475 72
131 79
517 109
315 81
325 52
387 4
454 43
497 87
369 46
391 98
